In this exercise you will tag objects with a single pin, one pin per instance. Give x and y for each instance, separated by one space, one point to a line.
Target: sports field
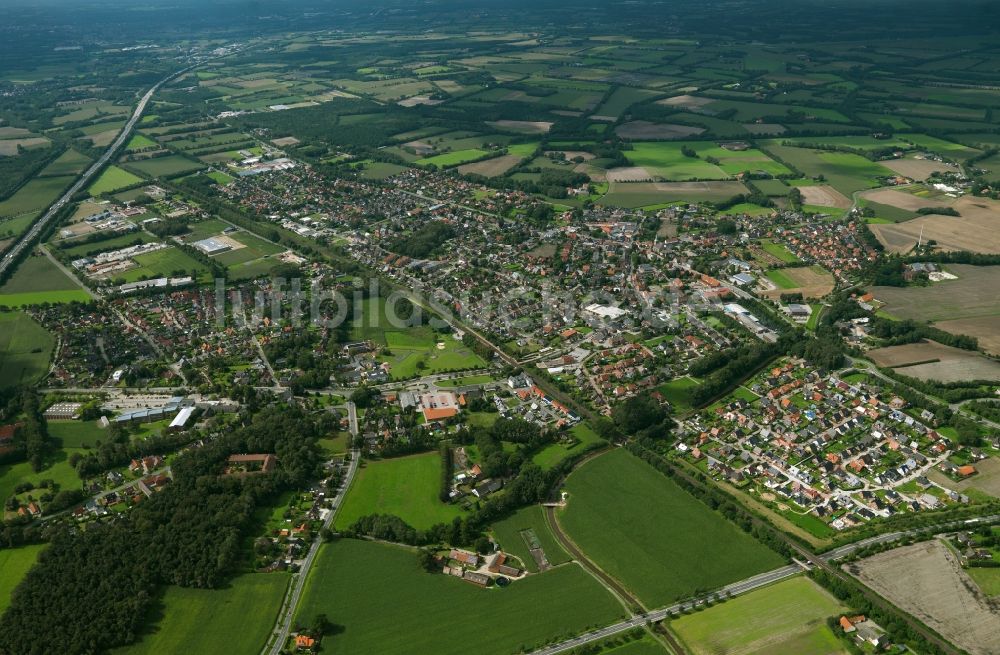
77 434
407 487
659 541
37 280
787 617
113 179
25 348
237 619
163 263
14 565
418 350
395 608
512 534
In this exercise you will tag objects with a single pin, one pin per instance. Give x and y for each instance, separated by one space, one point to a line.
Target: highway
29 237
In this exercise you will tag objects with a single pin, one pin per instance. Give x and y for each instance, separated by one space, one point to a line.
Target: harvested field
629 174
285 141
824 196
647 130
984 328
491 167
810 281
901 199
969 305
918 169
976 230
927 581
8 147
526 127
686 101
929 360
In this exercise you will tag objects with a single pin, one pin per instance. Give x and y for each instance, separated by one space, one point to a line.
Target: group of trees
31 441
424 241
96 585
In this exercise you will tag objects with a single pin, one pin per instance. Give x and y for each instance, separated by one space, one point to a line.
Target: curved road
28 237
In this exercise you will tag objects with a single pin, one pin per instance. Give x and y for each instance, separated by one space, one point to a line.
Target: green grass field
987 579
554 453
237 619
139 142
661 542
395 608
778 250
111 180
25 348
76 434
168 166
14 565
781 279
37 280
405 486
678 392
36 195
70 162
453 158
787 617
163 263
414 351
56 468
508 533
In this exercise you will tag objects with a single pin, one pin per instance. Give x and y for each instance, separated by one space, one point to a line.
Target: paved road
287 612
29 237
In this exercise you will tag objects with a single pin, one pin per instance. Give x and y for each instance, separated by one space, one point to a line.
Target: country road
287 612
28 237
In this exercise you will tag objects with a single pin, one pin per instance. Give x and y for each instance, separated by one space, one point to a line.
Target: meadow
453 158
678 392
845 172
508 534
37 280
434 613
15 563
163 263
25 348
235 619
36 195
551 455
407 487
787 617
659 541
112 179
169 166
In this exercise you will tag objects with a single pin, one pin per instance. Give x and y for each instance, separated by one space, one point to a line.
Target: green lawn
407 487
466 381
76 434
337 444
554 453
988 579
509 534
113 179
388 605
787 617
779 250
14 565
661 542
38 280
163 263
781 279
57 469
237 619
415 351
678 392
453 158
25 348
